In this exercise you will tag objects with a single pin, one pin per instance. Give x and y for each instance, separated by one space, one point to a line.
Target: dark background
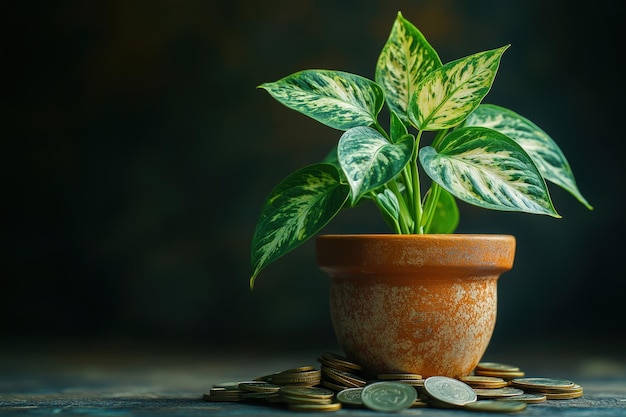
138 151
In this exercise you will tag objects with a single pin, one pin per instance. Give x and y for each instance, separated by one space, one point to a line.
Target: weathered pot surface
423 304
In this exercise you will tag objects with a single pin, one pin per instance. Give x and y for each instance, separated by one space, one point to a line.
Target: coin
350 396
527 397
412 382
315 407
496 366
306 392
222 394
542 383
343 378
495 406
388 396
396 376
480 381
449 390
336 361
333 386
258 395
306 378
497 392
506 375
258 386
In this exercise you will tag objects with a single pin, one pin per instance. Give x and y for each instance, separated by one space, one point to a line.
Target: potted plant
440 144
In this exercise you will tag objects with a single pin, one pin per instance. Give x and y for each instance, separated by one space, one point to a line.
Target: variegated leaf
295 211
538 144
449 94
388 203
337 99
369 160
405 59
397 129
486 168
446 216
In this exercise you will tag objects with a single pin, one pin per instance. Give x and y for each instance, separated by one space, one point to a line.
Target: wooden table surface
135 380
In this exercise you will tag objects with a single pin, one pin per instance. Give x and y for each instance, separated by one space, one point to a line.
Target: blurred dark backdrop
138 152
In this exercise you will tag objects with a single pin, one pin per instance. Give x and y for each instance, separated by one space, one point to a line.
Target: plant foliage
481 154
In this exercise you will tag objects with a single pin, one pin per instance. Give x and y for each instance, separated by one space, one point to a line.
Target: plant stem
404 215
430 205
416 195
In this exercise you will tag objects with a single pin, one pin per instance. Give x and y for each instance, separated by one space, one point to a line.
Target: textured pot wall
138 151
419 304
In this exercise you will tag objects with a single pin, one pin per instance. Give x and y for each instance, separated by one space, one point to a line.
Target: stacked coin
552 389
338 373
308 398
484 382
306 376
498 370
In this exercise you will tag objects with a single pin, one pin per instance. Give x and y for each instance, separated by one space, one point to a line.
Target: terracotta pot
422 304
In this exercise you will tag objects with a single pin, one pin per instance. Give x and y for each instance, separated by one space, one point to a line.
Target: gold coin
304 368
495 406
286 373
481 381
258 395
315 407
294 399
297 378
340 360
396 376
496 366
343 378
333 386
225 396
222 392
563 395
506 375
419 404
230 384
258 386
412 382
307 392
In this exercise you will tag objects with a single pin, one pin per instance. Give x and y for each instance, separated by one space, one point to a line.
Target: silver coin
350 396
498 392
542 383
528 398
388 396
449 390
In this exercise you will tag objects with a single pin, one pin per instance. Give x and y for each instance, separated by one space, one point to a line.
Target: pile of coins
492 386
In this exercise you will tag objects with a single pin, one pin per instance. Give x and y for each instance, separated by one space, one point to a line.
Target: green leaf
446 216
301 205
389 205
337 99
397 129
486 168
369 160
449 94
538 144
405 59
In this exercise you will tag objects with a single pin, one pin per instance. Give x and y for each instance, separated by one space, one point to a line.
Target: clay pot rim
426 236
469 252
